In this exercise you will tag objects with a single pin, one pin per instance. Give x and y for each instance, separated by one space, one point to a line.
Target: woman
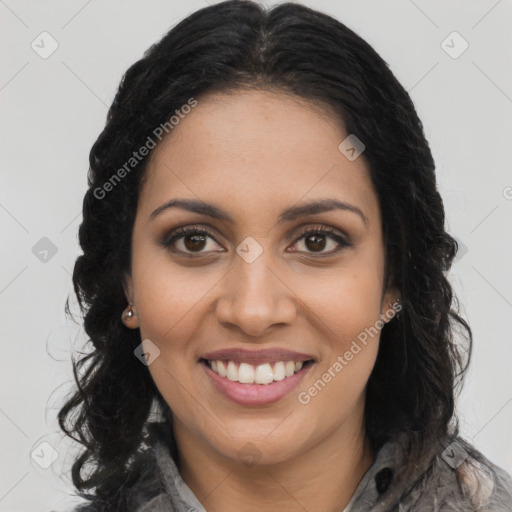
264 284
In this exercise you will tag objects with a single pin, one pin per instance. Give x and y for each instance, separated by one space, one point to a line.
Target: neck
334 467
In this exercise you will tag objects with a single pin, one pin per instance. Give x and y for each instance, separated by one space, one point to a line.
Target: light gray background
53 109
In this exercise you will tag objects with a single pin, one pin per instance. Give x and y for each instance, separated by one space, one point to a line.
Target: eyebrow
290 214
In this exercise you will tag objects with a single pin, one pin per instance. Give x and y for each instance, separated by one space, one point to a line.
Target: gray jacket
435 489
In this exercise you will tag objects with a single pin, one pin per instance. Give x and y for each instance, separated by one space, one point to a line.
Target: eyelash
182 232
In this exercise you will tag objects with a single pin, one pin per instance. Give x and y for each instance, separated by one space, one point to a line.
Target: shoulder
144 489
146 492
488 485
462 478
159 503
93 505
89 506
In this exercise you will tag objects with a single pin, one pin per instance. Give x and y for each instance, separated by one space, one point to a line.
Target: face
261 275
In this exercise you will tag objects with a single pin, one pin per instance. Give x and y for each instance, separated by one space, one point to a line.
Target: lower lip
255 394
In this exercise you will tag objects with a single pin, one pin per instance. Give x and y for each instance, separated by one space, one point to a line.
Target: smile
247 373
251 384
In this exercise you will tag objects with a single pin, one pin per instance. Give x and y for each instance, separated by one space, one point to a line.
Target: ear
390 305
132 321
128 288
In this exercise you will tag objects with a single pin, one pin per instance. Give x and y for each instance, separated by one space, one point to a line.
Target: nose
255 298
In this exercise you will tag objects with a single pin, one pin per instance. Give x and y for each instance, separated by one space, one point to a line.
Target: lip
255 394
256 357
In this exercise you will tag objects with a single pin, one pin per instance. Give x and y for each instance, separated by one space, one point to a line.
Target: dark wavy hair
295 50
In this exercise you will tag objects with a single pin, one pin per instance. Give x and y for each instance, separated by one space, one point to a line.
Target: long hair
298 51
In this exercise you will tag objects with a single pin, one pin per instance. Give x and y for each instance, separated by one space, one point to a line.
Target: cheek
344 302
345 307
170 298
337 391
350 343
171 304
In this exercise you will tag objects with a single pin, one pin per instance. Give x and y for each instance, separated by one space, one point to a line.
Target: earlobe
391 306
129 315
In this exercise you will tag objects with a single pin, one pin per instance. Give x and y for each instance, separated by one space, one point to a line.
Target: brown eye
194 242
190 241
316 240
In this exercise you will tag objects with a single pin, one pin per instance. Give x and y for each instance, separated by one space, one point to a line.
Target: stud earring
128 313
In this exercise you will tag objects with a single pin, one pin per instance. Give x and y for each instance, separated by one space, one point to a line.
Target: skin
253 154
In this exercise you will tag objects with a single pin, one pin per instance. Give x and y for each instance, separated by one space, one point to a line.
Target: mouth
260 374
255 384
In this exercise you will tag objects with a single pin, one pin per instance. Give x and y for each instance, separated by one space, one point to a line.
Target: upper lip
268 355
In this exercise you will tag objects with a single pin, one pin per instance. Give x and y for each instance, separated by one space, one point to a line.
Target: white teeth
221 369
264 374
279 372
289 368
232 371
246 373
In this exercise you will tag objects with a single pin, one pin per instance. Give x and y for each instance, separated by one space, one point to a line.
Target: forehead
257 151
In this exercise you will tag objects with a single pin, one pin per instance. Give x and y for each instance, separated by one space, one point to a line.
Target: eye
316 239
193 240
189 240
